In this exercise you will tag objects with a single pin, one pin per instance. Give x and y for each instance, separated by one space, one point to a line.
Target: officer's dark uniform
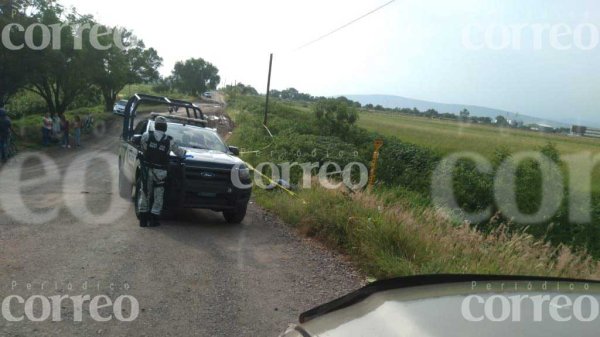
157 146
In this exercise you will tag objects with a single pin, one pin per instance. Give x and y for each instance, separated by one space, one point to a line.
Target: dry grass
397 239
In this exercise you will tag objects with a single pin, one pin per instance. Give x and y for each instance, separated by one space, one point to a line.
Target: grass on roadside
389 239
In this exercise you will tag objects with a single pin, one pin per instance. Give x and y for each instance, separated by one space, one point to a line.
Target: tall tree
195 76
59 76
431 113
290 93
501 121
16 65
68 73
13 63
118 67
336 114
241 89
464 114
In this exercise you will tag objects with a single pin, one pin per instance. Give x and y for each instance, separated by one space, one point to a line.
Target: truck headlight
244 173
240 177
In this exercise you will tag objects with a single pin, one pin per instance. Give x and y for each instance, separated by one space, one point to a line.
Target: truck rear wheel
136 196
124 186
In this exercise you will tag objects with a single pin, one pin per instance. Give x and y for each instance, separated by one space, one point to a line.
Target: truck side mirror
234 150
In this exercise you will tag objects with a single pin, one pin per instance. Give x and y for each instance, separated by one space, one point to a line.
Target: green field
450 136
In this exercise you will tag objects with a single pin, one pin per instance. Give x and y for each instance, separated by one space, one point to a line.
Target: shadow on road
195 218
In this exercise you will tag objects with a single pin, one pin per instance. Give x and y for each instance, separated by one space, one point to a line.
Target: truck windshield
196 138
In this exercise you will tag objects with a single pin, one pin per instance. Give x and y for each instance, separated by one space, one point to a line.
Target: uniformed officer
156 146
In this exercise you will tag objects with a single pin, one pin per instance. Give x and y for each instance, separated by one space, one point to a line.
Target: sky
487 53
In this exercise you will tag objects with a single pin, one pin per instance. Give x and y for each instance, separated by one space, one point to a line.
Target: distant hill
388 101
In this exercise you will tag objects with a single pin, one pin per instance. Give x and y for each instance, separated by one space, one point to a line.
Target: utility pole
268 89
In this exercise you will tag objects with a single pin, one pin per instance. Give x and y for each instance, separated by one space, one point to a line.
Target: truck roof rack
192 111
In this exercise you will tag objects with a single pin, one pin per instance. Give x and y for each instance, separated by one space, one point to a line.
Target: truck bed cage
179 119
193 112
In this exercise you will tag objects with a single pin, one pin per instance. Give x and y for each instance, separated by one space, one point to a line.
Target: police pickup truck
211 176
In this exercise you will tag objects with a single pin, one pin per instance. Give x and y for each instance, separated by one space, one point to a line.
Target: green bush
406 165
25 103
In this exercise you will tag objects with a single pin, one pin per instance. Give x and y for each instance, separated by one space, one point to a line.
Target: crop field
449 136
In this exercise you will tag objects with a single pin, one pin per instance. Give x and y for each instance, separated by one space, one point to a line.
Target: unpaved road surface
194 276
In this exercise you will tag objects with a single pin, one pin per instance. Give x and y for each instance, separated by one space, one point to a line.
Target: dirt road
194 276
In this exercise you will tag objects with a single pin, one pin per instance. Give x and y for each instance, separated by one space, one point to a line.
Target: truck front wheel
237 215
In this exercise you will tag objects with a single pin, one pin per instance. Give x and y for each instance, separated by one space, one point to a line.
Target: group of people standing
57 128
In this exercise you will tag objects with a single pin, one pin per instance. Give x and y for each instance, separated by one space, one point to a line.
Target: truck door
132 150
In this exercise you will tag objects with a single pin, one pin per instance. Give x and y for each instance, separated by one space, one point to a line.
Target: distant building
515 123
584 131
542 127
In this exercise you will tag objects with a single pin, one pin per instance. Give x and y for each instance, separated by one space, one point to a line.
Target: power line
345 25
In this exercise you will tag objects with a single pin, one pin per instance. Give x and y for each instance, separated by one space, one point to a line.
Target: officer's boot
154 220
144 217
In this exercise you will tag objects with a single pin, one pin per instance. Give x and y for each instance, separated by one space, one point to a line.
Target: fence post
373 173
